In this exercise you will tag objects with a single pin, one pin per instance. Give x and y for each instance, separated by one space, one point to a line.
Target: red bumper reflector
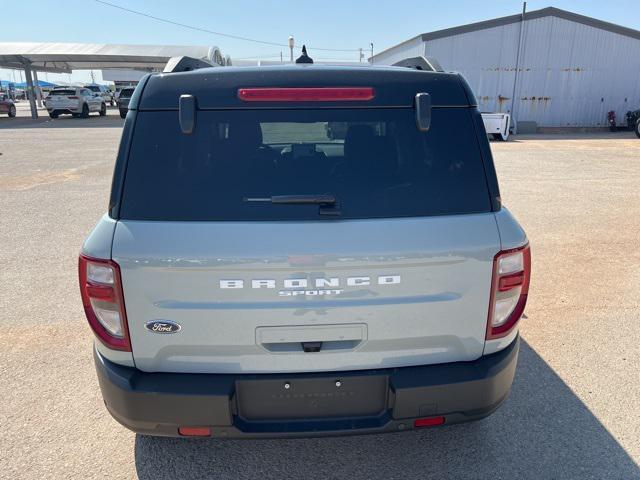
194 431
428 422
324 94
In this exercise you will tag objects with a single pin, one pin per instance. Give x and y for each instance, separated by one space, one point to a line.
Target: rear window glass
126 92
93 88
62 92
374 162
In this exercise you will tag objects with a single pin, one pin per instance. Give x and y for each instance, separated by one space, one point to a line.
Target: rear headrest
247 134
386 156
358 140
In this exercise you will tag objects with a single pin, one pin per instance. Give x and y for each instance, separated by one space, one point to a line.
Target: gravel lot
574 411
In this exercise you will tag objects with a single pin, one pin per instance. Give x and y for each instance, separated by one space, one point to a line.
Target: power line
277 56
255 57
316 59
204 30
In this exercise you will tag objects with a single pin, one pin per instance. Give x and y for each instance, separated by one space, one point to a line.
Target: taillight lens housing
103 301
509 290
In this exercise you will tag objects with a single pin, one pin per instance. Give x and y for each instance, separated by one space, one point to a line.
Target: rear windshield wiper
317 199
327 202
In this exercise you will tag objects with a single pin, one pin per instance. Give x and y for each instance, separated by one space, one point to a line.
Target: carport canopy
66 57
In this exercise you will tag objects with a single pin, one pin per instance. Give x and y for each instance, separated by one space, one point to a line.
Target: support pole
37 88
291 45
515 76
31 92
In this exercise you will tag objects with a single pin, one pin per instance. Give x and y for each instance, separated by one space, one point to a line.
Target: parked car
498 125
633 121
106 93
254 277
77 101
7 106
123 100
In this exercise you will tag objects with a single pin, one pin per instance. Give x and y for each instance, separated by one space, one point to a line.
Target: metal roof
544 12
65 57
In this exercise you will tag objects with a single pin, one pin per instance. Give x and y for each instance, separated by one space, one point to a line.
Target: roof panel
217 87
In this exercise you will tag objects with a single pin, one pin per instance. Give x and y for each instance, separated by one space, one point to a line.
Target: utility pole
281 57
93 77
361 55
291 45
371 53
515 75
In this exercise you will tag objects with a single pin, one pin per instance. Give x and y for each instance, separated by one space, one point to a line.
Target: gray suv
105 92
123 100
255 276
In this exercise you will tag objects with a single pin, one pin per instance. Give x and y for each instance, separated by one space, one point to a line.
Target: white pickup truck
498 125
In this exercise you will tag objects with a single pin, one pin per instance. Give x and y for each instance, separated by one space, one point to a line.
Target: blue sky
331 24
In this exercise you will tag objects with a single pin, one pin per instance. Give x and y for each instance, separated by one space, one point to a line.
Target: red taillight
72 98
510 281
324 94
194 431
428 422
103 301
509 290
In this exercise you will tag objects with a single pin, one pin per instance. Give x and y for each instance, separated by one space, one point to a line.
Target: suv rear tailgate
418 292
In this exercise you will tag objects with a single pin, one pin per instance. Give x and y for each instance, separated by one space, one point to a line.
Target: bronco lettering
298 283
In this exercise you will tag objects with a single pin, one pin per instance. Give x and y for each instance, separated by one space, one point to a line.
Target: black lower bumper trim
158 403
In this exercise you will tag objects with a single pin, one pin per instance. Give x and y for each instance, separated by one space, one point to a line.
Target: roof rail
428 64
186 64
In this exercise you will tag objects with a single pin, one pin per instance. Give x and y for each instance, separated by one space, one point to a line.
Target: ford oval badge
162 326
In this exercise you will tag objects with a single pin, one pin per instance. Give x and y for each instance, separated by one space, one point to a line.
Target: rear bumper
63 109
158 403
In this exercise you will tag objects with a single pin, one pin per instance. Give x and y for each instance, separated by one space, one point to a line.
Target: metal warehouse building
563 69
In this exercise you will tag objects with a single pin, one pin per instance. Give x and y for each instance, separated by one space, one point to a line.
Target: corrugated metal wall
411 48
487 60
570 74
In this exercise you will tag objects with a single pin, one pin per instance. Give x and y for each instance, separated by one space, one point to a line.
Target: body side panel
98 243
512 235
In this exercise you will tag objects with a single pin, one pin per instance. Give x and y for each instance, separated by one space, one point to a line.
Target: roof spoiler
186 64
428 64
